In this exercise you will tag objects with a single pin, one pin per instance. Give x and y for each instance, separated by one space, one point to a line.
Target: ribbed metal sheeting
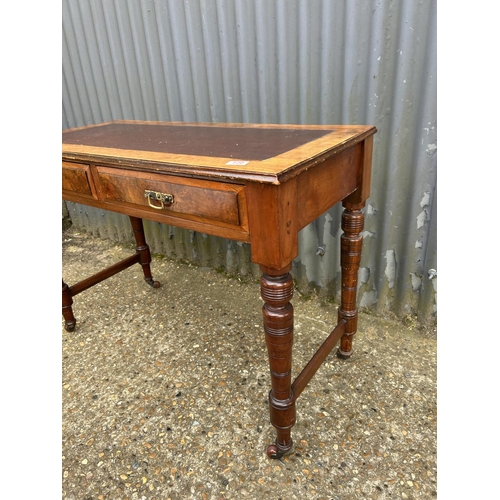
278 61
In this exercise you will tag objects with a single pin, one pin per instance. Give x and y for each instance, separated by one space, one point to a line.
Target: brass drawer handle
164 199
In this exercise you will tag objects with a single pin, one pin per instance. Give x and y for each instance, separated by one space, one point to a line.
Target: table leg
67 310
277 291
351 246
142 249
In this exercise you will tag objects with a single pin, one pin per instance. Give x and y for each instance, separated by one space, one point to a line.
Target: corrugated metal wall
278 61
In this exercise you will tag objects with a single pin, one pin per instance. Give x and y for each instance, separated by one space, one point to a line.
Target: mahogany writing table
259 184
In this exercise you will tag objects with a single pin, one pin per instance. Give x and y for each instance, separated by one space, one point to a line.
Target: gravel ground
165 393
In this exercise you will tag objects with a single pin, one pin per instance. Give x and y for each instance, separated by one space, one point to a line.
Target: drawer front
76 178
172 195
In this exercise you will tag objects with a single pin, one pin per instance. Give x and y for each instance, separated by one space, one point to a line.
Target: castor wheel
69 326
152 282
273 452
343 355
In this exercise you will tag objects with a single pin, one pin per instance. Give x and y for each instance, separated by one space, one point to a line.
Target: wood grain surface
267 153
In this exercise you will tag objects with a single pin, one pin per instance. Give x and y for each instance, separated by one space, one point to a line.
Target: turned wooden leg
142 249
276 291
351 245
67 310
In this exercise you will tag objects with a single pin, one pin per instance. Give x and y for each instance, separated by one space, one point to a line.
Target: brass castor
343 355
273 452
152 282
69 326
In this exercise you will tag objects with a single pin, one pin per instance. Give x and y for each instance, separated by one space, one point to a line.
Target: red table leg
142 249
67 310
351 246
277 291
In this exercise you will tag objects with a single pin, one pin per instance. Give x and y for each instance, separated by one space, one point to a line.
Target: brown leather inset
227 142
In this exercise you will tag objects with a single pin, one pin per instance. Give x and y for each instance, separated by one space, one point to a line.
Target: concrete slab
165 393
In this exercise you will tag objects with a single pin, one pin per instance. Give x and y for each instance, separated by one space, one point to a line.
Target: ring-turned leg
142 249
277 291
350 258
67 310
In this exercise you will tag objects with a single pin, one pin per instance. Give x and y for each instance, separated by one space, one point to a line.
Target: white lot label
236 162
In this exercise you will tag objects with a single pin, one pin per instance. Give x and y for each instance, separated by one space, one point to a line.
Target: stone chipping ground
165 393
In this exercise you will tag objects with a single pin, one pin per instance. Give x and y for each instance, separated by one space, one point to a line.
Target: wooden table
255 183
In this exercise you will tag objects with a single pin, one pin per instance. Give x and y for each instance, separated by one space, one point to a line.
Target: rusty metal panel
278 61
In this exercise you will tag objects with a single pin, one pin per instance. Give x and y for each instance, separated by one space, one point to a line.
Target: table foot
152 282
275 451
142 249
343 355
67 310
70 326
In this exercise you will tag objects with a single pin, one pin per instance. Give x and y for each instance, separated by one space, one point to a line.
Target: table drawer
76 178
216 201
